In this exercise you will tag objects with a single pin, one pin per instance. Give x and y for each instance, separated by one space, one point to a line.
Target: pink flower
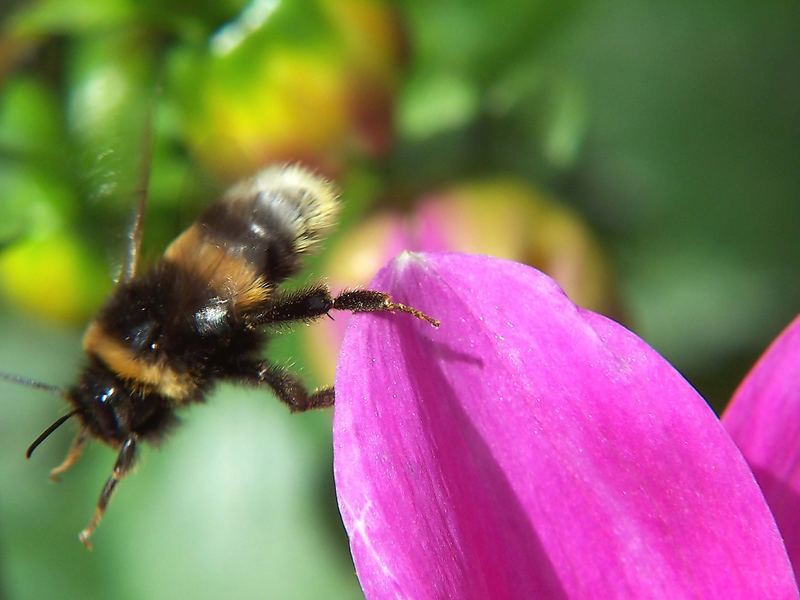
531 449
764 420
500 216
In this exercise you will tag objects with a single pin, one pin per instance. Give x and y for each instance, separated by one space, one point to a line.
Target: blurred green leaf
265 23
550 108
111 90
47 17
86 17
435 103
30 118
567 121
481 39
33 203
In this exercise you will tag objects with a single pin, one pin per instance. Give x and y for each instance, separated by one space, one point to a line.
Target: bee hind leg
125 460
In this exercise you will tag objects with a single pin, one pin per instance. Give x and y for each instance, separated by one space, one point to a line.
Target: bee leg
313 302
371 301
305 304
291 391
122 467
287 387
75 451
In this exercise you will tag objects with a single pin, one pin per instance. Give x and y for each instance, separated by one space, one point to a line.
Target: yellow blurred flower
55 277
262 96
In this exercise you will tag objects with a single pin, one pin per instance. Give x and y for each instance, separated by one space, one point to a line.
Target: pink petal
764 421
529 448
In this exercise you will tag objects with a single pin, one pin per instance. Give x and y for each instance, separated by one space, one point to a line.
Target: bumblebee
201 314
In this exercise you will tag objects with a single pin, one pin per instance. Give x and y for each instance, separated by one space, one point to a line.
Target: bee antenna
31 383
46 433
142 191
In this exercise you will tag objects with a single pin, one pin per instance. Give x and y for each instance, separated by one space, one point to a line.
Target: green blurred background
649 154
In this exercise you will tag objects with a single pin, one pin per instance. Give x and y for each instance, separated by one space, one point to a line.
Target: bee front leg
125 460
306 304
313 302
372 301
75 451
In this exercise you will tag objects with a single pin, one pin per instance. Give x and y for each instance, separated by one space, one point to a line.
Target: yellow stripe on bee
229 275
121 359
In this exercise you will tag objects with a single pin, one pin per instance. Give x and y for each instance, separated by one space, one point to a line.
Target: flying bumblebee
201 314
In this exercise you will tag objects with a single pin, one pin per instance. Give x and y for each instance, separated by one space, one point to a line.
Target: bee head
101 400
112 407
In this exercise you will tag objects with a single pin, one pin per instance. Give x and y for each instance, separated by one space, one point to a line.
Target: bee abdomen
273 219
257 234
